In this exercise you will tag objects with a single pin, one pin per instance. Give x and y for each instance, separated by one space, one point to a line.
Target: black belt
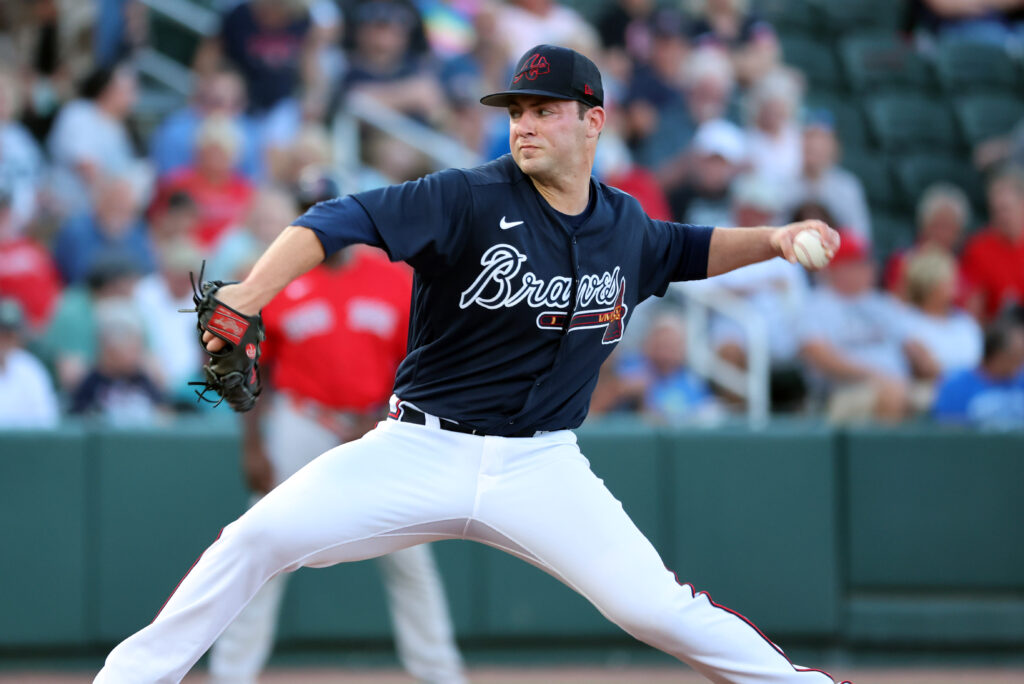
408 414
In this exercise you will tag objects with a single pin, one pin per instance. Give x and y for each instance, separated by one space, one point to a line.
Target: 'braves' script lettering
500 284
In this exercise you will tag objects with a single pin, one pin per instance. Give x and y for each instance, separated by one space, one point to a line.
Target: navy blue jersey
513 309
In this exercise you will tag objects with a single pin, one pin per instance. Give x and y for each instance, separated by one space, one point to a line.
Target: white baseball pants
405 484
416 600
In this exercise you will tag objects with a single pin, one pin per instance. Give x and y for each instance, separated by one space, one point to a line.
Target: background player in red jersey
334 339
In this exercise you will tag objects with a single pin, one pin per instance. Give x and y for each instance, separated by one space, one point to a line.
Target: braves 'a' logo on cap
536 65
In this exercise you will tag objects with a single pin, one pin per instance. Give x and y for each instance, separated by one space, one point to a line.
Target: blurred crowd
103 212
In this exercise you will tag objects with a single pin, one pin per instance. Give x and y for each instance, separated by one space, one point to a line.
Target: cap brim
504 98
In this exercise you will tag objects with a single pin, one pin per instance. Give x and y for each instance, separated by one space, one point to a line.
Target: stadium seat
841 17
985 116
851 126
890 232
969 67
881 62
914 173
875 175
815 59
790 15
909 122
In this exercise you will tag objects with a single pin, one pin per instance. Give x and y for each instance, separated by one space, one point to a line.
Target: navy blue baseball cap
552 71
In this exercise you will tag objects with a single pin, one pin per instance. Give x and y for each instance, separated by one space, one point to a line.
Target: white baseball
809 250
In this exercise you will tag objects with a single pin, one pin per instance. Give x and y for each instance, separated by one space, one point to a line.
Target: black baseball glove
233 371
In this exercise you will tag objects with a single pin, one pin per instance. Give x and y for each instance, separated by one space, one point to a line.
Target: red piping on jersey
761 634
190 568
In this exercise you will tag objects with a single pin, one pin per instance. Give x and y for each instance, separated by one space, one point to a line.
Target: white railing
194 17
751 383
165 70
359 108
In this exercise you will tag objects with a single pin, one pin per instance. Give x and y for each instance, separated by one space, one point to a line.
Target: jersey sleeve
340 223
673 252
421 222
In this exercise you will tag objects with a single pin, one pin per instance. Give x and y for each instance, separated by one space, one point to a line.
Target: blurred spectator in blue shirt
657 382
27 398
90 139
658 122
991 395
21 160
625 28
979 21
222 92
384 65
714 160
749 39
271 43
118 389
69 343
121 27
115 225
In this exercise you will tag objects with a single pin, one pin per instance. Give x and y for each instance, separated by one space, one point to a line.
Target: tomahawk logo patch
535 66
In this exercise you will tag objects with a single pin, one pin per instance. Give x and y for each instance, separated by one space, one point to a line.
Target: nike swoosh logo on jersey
505 225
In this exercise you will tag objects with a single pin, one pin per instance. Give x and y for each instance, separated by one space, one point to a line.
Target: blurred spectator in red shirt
943 213
615 166
221 194
993 260
27 272
272 209
174 220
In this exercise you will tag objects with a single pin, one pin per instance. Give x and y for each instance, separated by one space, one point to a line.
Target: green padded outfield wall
161 497
874 537
45 520
936 547
754 521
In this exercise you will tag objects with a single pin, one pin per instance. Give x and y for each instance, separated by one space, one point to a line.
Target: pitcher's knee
656 618
253 540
